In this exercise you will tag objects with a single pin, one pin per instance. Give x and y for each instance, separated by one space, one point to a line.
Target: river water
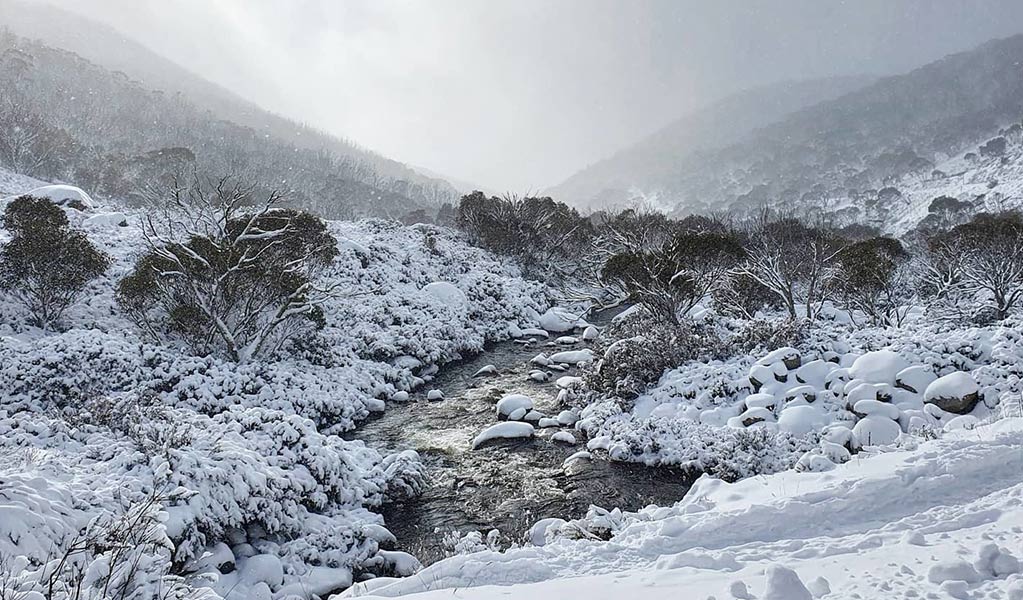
506 485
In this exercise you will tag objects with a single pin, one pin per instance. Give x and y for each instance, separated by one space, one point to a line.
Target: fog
517 95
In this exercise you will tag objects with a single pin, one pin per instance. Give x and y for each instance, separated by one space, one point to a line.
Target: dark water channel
506 484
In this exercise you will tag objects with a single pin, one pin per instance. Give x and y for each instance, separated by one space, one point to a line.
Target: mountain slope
848 150
93 58
726 122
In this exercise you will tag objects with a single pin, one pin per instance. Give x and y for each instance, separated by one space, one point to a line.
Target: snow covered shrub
635 351
874 279
977 267
546 238
742 297
768 334
671 280
46 264
224 277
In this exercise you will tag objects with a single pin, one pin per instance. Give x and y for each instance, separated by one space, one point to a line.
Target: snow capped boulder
759 375
446 293
801 420
590 333
566 340
400 396
995 561
539 376
538 532
513 402
955 393
805 393
435 395
875 407
876 430
540 359
752 416
568 381
878 367
518 414
790 357
573 357
533 332
814 372
854 392
761 401
113 219
558 320
486 370
64 195
784 584
564 437
915 379
567 418
506 430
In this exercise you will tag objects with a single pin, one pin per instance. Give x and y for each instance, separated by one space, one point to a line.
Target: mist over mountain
824 156
78 79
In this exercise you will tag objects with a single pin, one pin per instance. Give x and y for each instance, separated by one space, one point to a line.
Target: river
505 485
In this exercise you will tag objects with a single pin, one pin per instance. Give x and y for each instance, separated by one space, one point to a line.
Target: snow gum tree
795 261
670 281
977 265
47 263
873 278
225 275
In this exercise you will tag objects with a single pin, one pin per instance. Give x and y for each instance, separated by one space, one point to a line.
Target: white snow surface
901 524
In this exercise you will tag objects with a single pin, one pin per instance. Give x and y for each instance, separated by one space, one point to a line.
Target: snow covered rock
878 367
539 376
486 370
876 430
506 430
790 357
514 402
955 393
564 437
573 357
784 584
558 320
400 396
540 359
64 195
566 340
997 562
875 407
801 420
435 395
590 333
915 379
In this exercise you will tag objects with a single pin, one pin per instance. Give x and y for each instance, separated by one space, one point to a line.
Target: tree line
972 271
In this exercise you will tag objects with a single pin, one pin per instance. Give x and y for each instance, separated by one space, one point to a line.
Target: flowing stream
507 484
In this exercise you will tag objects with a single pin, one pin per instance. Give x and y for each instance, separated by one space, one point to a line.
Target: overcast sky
517 95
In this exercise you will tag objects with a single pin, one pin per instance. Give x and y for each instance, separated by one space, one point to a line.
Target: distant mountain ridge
838 153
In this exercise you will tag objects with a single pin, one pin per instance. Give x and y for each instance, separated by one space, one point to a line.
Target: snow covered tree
977 266
47 263
873 278
793 260
546 238
672 280
224 275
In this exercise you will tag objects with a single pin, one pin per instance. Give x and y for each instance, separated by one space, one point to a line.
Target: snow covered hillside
936 520
100 428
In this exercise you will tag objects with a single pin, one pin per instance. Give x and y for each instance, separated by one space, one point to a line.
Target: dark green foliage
244 287
671 280
47 264
546 238
871 279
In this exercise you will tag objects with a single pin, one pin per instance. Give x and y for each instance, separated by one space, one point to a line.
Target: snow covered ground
940 519
258 496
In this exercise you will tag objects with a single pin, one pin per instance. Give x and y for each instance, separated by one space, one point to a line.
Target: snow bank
899 524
